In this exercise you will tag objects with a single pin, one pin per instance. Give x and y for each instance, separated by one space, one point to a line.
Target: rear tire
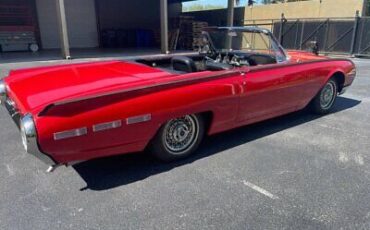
325 99
178 138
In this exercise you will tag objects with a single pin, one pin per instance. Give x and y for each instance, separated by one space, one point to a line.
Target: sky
214 2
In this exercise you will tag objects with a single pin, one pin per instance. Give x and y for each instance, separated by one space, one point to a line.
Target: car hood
33 89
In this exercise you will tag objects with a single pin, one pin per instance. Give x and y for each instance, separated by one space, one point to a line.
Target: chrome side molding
101 127
107 126
138 119
70 133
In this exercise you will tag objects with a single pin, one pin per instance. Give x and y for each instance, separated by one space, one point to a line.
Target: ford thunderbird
167 104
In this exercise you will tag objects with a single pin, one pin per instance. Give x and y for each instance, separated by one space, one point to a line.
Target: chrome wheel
327 96
180 134
324 100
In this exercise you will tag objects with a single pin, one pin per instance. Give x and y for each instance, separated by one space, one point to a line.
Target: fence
349 36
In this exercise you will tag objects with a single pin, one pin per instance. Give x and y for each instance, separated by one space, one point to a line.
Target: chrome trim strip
13 111
147 88
10 105
2 91
30 133
254 69
107 126
70 133
138 119
182 82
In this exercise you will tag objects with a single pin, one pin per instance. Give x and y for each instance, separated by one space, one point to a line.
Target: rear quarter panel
217 96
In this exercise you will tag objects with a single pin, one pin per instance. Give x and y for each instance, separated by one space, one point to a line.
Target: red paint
233 99
302 56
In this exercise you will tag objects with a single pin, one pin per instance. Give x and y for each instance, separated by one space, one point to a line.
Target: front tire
178 138
325 99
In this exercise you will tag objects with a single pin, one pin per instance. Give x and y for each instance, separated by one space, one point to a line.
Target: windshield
224 40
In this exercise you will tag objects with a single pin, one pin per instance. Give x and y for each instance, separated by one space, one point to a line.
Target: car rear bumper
31 136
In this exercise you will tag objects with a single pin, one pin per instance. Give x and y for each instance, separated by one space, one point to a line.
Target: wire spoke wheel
178 138
180 134
327 96
323 102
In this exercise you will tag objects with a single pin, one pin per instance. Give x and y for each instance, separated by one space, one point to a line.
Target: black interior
255 58
176 64
184 64
211 62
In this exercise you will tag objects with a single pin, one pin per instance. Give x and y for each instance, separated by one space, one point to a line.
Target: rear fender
218 97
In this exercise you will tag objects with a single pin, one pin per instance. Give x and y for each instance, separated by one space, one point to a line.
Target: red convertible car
77 112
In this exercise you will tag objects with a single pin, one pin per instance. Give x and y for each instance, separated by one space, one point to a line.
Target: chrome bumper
29 131
13 112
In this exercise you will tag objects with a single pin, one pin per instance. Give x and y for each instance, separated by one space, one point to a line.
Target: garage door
81 22
18 25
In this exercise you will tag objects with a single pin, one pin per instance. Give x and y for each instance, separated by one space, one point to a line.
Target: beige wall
306 9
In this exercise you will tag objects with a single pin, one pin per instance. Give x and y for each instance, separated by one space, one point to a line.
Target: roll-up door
81 23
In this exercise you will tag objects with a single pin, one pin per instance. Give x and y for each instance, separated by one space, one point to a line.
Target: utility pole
63 31
164 26
230 12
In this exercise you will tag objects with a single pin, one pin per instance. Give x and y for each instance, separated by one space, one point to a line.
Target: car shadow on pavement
111 172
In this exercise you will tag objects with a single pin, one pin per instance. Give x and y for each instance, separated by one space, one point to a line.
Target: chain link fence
350 36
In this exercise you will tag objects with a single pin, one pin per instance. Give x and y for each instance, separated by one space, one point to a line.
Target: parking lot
300 171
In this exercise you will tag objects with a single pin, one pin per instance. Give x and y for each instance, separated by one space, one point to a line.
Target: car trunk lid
33 89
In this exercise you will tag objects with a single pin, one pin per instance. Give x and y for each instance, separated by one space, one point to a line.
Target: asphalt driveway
299 171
